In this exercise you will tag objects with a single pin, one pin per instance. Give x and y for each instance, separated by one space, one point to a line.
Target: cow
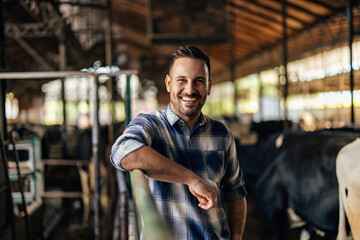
296 170
347 173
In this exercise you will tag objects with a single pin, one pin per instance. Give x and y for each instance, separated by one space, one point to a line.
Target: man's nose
190 88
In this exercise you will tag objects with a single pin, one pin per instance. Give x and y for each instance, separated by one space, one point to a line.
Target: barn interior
75 72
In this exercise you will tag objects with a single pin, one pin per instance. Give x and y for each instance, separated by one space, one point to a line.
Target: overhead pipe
351 33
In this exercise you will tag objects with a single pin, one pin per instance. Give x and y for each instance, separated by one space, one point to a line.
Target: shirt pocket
215 161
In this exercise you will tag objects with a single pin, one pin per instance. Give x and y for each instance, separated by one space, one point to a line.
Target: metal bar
39 75
63 127
261 93
10 211
132 227
123 215
21 187
122 201
62 194
128 101
59 74
285 56
95 145
351 32
233 60
111 91
117 219
108 36
128 119
153 224
63 162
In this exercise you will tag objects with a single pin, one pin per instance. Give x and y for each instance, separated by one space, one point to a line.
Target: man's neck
190 122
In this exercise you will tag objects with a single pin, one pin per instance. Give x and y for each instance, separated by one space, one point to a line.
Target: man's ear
209 88
167 82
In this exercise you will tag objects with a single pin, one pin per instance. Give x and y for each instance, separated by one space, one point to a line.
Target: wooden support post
351 33
285 59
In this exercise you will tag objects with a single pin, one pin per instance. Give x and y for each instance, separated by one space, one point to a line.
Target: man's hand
205 192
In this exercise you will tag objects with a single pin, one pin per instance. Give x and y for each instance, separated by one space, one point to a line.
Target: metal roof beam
85 5
31 30
34 54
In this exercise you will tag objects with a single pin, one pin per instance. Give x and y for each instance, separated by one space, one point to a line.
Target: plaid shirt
209 151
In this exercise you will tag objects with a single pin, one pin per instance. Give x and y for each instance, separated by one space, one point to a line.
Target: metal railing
152 223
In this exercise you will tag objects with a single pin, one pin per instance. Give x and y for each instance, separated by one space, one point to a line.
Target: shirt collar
173 118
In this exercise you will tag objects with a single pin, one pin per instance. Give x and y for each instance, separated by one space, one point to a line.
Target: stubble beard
190 112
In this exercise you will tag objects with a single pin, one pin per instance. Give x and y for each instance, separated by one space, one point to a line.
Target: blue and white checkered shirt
209 151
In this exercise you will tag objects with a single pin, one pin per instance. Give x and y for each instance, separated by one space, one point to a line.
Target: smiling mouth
189 100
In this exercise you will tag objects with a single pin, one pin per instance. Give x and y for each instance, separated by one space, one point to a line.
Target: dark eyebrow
197 78
180 77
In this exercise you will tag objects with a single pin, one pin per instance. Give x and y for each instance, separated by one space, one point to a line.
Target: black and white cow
296 170
347 172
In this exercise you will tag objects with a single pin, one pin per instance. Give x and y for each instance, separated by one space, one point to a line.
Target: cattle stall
64 169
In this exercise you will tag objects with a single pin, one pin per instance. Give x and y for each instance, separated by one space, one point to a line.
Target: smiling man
189 158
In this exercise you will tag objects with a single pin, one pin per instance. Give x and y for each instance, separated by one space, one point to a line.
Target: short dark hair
189 51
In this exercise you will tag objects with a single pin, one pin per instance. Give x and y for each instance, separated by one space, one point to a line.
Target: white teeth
189 99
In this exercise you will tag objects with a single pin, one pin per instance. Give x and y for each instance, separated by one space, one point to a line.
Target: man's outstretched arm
160 168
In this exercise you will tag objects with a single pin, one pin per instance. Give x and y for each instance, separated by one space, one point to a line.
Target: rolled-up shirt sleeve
233 183
136 135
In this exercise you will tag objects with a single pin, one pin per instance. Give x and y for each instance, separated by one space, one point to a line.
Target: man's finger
202 200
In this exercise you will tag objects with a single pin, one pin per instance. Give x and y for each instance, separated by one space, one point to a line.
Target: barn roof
241 37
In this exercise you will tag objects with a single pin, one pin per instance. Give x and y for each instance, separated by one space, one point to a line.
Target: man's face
188 85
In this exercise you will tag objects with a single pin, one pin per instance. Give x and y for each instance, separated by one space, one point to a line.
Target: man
189 158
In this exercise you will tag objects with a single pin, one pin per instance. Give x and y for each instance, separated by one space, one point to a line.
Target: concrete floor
71 227
256 228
